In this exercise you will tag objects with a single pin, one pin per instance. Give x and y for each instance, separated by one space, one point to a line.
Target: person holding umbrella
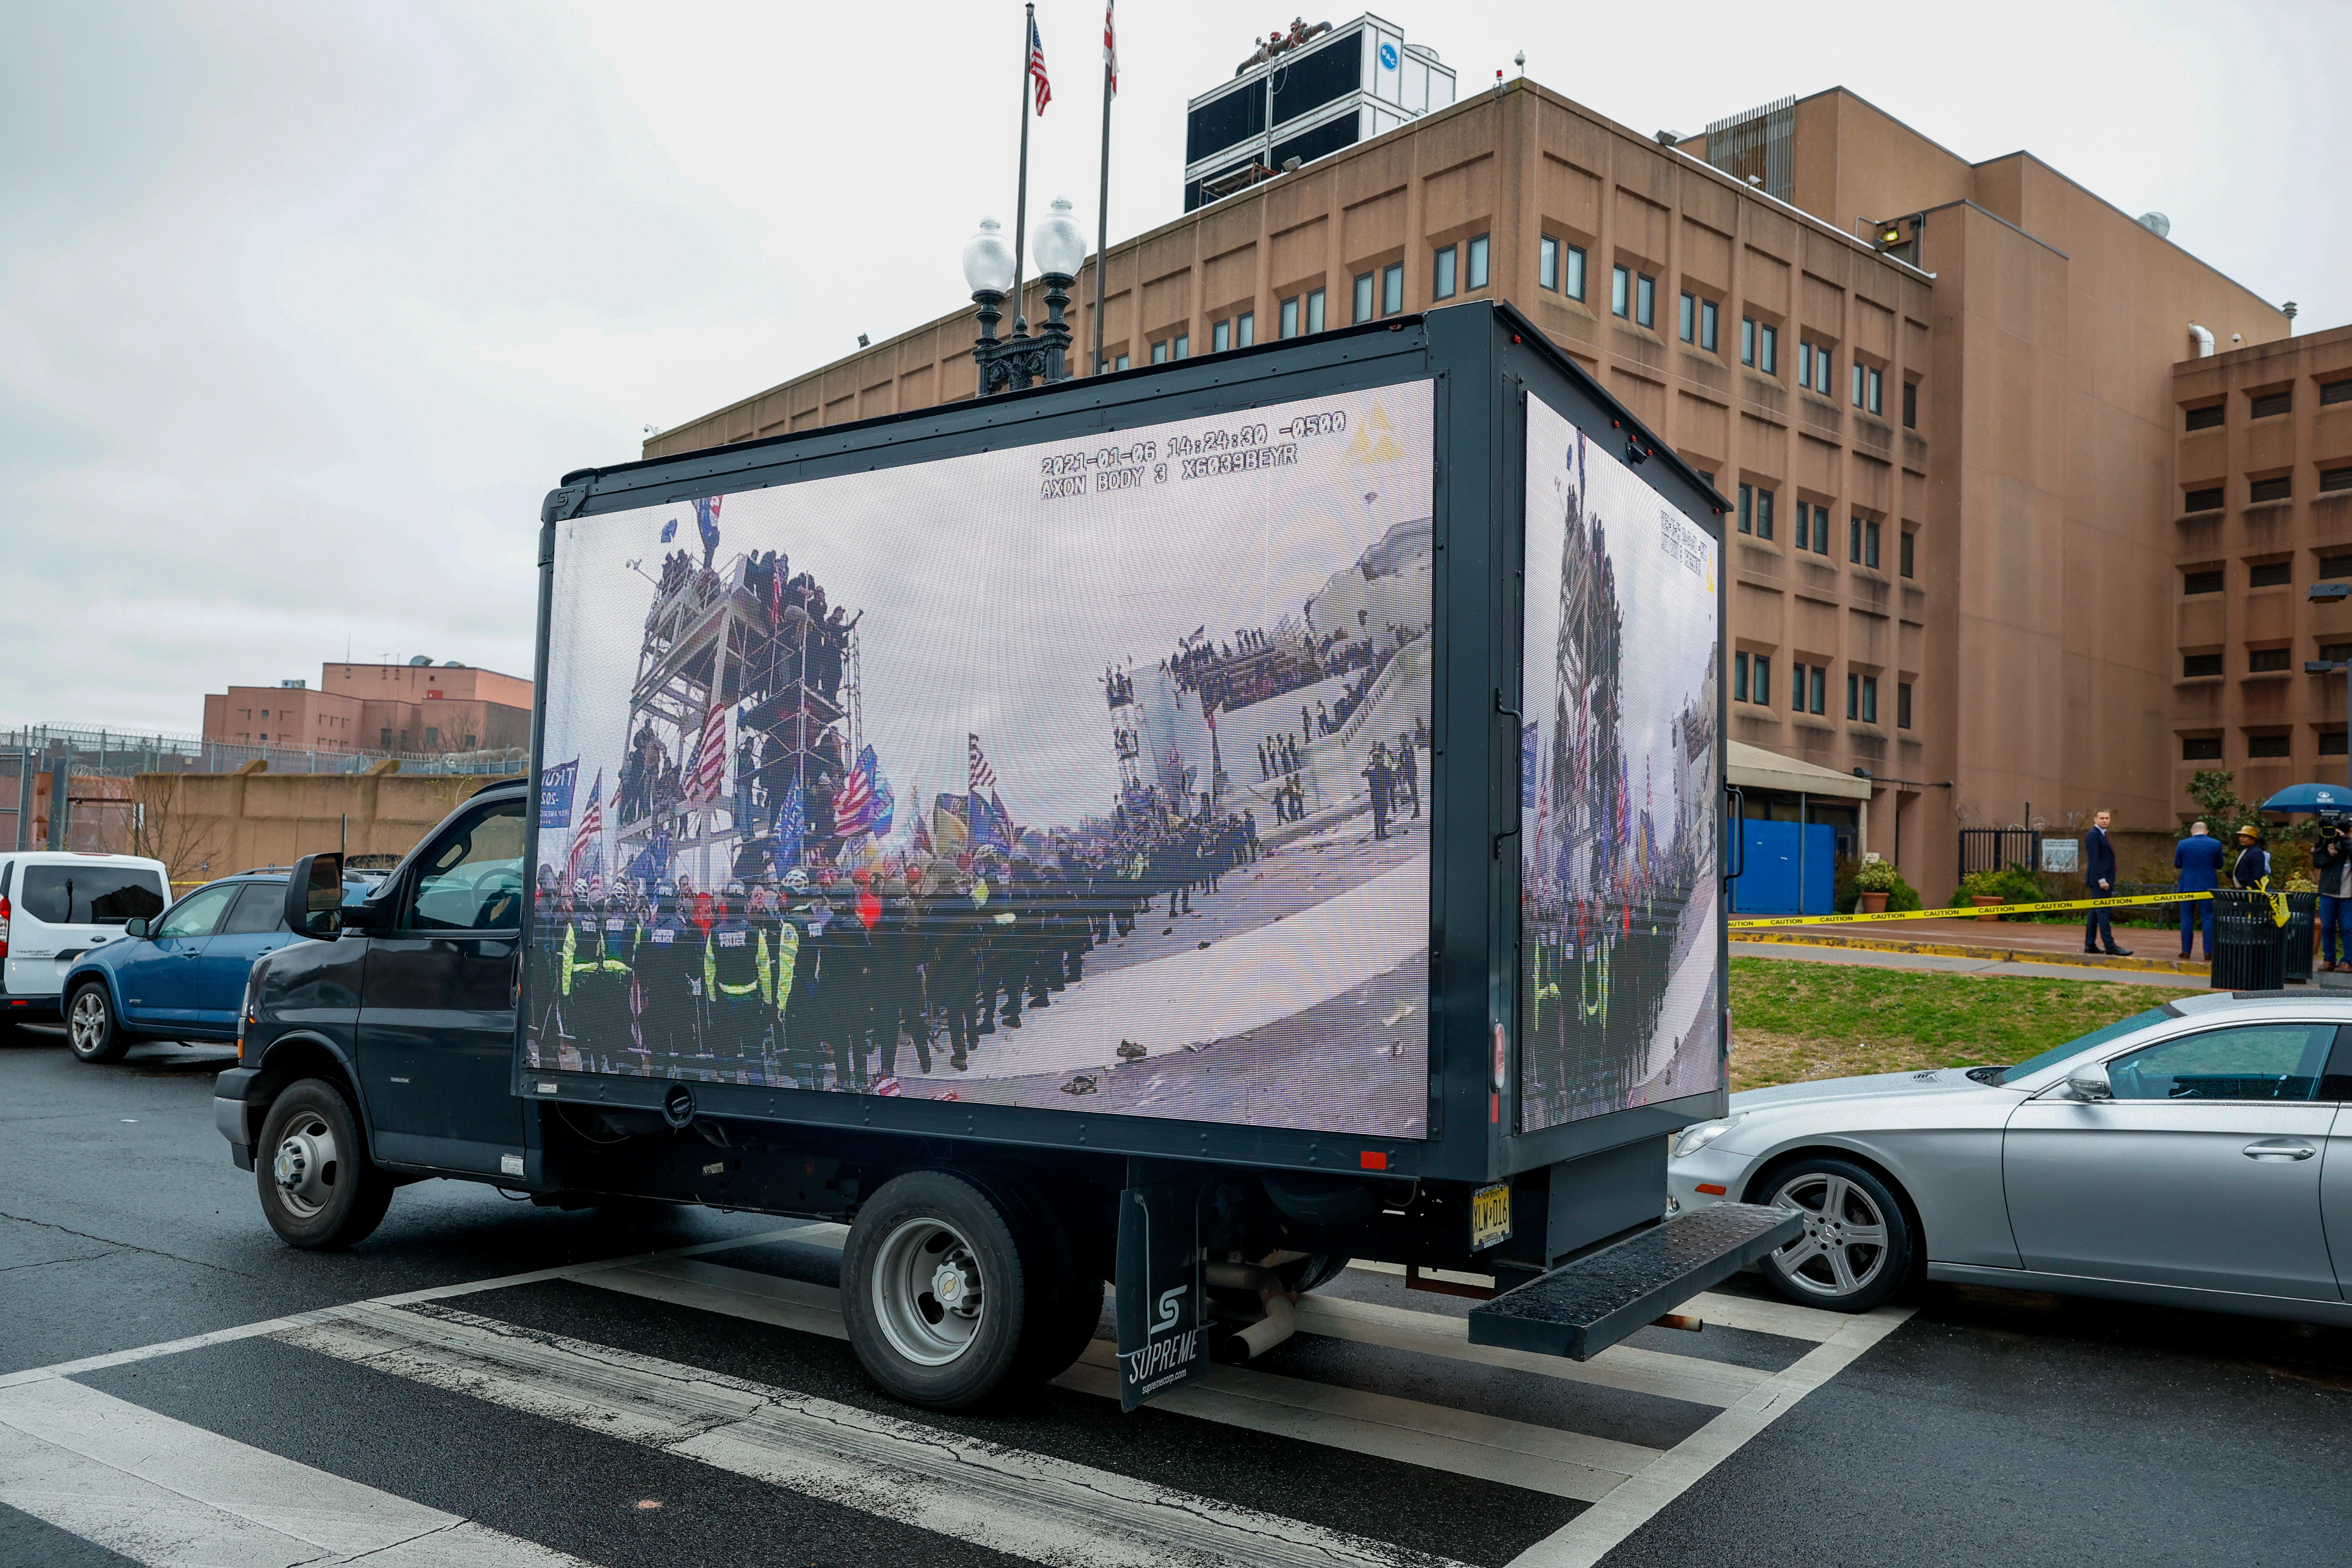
2331 868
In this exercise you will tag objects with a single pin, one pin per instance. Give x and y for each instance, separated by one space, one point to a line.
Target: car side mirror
135 926
314 897
2089 1084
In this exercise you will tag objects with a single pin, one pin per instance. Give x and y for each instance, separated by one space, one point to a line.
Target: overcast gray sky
303 308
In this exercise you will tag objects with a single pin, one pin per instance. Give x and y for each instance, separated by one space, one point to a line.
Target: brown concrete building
416 709
2263 471
1949 451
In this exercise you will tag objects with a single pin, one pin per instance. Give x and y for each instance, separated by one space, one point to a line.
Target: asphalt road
697 1409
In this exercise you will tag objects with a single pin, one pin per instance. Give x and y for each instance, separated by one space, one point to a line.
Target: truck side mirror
314 897
2089 1083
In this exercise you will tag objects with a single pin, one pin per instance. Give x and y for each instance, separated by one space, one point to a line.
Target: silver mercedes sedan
2197 1154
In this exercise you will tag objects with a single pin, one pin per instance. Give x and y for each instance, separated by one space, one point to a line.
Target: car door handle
2278 1148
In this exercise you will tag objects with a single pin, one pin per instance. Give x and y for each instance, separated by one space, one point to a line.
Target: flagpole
1020 202
1102 201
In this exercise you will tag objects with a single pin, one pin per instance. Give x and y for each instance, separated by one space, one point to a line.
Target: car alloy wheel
1844 1247
90 1028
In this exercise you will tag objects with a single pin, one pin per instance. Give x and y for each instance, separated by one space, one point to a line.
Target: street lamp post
1019 359
2327 592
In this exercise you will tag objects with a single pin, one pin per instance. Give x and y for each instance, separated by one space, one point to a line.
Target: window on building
1441 274
1746 340
1763 514
1909 559
1315 310
1852 696
1244 330
1645 299
2280 745
1870 699
1392 289
1220 337
1797 686
2334 479
1739 678
2336 652
1182 346
1804 539
1474 263
1363 297
1876 400
1854 541
1289 318
2206 582
2270 574
2331 742
1120 363
2279 488
2336 392
2334 564
1763 687
1708 317
1910 406
1621 290
1747 504
1821 530
1870 546
1548 263
1805 361
2208 417
1159 352
1858 375
1903 705
2268 404
1821 357
2206 499
2200 748
1690 317
1768 350
1820 677
384 741
2198 666
2266 660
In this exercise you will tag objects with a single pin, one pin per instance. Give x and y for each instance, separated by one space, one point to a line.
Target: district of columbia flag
1110 47
1037 66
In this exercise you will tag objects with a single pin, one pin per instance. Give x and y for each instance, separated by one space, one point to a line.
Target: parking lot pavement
485 1382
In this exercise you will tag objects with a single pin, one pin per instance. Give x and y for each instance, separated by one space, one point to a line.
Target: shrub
2012 884
1878 877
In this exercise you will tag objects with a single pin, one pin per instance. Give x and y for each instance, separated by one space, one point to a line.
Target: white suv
55 906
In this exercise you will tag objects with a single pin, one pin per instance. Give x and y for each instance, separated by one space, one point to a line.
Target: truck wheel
318 1188
1320 1271
1857 1246
92 1030
946 1283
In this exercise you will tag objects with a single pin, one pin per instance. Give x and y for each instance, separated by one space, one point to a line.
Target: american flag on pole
587 838
1037 66
1110 48
709 774
984 777
853 802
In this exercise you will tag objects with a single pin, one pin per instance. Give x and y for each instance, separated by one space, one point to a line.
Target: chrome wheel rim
1844 1245
87 1028
929 1297
305 1166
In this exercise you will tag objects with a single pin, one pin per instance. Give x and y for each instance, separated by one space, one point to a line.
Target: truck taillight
4 925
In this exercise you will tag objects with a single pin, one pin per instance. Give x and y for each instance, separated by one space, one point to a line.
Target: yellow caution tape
1964 911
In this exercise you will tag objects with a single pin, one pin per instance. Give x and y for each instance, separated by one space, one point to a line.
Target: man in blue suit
2198 858
2099 882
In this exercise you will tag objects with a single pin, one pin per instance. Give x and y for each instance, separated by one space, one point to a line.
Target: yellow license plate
1490 1215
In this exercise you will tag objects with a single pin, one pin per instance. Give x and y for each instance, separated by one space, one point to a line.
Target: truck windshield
92 895
2056 1054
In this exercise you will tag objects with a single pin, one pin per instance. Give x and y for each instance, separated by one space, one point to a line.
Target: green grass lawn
1795 1020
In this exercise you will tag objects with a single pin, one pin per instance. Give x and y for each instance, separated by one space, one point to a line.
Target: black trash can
2294 937
2248 954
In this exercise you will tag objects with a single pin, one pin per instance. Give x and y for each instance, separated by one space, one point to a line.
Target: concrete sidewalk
1960 962
1998 941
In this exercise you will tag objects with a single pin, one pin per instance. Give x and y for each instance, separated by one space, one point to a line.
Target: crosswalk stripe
1585 1540
1539 1459
1688 1378
1007 1500
1785 1319
163 1492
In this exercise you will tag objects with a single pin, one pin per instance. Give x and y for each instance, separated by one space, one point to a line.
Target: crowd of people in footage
825 978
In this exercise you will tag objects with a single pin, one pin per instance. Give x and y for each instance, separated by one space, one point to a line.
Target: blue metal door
1790 869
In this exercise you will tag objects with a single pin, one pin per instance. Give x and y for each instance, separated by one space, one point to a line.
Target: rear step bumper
1580 1309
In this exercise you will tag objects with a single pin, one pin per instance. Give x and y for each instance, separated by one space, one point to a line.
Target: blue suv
181 975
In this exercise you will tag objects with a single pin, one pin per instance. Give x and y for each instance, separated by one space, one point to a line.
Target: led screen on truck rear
1620 799
1088 776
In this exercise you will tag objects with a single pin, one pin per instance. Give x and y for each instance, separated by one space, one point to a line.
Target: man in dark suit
2198 857
2099 882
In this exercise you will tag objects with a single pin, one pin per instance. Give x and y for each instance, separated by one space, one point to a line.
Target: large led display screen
1089 775
1620 801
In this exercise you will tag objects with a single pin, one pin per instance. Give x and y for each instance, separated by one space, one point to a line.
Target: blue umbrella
2330 798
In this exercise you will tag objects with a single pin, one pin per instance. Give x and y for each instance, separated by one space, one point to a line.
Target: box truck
1188 827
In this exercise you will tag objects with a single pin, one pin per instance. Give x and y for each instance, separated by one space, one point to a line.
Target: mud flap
1162 1328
